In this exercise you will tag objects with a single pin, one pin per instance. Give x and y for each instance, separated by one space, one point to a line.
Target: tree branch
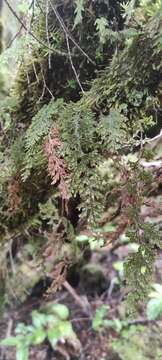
66 31
31 33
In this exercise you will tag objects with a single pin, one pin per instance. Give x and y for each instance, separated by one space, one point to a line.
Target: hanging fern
78 12
42 122
40 126
113 130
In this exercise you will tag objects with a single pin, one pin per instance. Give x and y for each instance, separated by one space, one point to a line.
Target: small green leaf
109 227
63 330
82 238
98 321
61 311
118 266
21 328
133 247
154 309
11 341
52 320
38 336
117 325
95 243
66 329
38 319
143 269
53 336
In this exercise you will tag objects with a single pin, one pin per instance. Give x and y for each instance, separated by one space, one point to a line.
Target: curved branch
31 33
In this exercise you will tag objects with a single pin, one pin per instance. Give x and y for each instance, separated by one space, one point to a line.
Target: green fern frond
113 130
42 122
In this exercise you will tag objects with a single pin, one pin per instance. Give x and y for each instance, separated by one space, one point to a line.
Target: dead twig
14 37
45 87
47 33
66 31
85 306
72 65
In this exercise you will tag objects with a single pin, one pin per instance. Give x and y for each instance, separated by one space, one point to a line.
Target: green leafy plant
95 242
53 325
101 27
119 267
154 306
149 7
99 321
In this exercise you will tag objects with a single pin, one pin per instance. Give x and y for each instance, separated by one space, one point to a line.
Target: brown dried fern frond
56 166
14 198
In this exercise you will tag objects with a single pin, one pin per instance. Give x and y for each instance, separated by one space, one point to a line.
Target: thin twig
157 164
66 31
39 6
9 328
72 65
77 298
35 71
45 87
14 37
32 6
21 27
61 53
143 321
11 257
47 33
26 71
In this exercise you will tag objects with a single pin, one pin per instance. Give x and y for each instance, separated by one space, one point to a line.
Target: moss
144 343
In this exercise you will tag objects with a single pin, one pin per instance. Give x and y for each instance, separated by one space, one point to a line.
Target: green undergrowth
144 342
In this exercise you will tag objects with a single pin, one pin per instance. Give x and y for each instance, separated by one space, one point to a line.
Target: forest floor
100 284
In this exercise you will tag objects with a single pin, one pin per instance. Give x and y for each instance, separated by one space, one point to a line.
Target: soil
83 299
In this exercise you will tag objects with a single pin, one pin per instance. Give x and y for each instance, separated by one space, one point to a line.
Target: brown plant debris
14 198
56 166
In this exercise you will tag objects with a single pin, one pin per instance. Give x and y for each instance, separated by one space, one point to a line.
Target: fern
33 159
56 166
78 12
113 130
48 212
128 9
78 131
42 122
139 266
40 126
106 34
149 7
101 27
